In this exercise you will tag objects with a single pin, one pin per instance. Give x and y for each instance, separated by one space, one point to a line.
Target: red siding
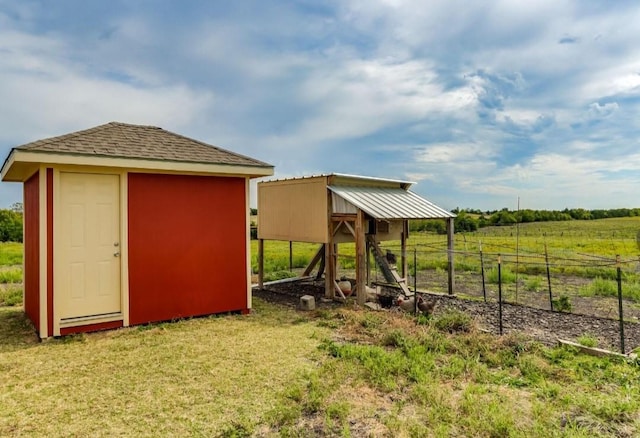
32 249
50 252
187 246
91 327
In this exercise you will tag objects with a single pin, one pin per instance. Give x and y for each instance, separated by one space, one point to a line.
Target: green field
584 240
332 372
580 257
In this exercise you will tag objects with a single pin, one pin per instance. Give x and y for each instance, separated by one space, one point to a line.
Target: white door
88 246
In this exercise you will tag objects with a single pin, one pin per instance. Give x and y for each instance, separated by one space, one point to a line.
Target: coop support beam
329 260
361 268
314 261
450 229
260 263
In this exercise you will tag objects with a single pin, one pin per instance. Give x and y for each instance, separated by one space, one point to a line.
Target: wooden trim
248 241
43 272
51 184
344 217
93 319
8 164
56 256
124 247
19 157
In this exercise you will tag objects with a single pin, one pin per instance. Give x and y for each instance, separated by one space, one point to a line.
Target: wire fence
559 281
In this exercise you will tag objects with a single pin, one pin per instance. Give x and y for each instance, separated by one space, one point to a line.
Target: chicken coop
334 209
129 224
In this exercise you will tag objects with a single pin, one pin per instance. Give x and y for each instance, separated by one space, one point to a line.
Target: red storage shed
129 224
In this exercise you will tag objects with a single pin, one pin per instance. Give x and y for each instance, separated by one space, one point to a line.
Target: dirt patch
543 325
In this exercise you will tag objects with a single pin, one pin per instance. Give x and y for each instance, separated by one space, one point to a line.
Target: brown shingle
122 140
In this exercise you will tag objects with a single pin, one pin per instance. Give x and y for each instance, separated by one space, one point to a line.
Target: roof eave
20 163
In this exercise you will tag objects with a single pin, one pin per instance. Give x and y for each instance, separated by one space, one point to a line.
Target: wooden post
329 260
620 317
360 259
450 229
484 286
500 293
260 263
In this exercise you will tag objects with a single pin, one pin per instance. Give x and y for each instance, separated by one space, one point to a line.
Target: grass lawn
336 372
190 378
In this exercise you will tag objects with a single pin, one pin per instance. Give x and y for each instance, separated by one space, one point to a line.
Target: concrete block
307 302
373 306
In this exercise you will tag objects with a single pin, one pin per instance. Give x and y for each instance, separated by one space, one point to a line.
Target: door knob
116 254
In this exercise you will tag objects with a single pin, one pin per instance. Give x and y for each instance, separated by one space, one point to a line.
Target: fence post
500 293
619 278
546 259
415 269
290 256
484 287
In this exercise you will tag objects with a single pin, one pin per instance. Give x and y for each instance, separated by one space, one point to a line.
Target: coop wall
188 251
293 210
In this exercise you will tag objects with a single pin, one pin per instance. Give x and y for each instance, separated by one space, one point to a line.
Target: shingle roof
122 140
390 203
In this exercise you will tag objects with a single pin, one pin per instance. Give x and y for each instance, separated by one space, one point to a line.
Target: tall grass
11 295
609 288
11 275
506 275
10 253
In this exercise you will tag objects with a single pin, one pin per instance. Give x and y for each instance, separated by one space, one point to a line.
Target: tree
10 226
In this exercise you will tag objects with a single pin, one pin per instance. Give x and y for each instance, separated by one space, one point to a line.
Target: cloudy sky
479 103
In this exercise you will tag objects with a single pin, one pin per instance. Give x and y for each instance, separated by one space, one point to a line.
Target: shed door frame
57 269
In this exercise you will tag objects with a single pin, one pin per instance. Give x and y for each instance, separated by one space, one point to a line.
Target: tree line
468 220
11 223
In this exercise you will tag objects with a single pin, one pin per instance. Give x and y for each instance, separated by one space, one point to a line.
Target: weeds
533 284
609 288
562 304
11 295
507 276
588 340
278 275
453 322
11 275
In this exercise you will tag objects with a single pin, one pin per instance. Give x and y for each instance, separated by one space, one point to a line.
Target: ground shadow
16 331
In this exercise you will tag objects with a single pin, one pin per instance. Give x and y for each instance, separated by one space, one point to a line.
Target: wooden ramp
389 272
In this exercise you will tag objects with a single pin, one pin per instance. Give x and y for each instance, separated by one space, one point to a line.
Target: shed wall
31 270
187 246
293 210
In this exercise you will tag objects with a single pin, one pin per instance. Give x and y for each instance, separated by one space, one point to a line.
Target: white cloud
359 97
52 94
